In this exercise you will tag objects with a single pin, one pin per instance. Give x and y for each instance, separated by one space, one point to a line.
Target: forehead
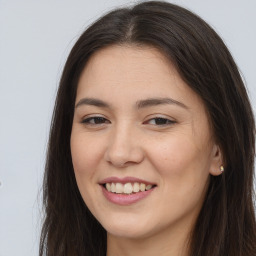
122 76
127 62
131 71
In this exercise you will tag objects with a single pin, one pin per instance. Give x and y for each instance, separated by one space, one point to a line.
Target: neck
163 244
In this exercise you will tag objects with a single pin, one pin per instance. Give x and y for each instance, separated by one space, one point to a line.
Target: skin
177 154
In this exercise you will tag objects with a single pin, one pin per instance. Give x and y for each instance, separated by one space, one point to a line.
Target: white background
35 38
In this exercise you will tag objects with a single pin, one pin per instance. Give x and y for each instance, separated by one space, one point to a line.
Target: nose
124 148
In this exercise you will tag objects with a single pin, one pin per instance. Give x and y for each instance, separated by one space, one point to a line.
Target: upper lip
125 180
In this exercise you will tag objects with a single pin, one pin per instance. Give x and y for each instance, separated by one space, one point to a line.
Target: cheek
86 158
173 154
179 161
85 154
184 174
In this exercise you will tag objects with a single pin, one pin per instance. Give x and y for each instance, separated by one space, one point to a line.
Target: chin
128 234
127 230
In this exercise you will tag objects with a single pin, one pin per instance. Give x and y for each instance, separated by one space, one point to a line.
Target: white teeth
119 188
142 187
108 187
148 187
136 187
127 188
113 187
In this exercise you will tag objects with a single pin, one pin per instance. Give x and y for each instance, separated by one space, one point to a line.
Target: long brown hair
226 224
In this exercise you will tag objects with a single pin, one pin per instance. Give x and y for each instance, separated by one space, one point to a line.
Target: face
141 143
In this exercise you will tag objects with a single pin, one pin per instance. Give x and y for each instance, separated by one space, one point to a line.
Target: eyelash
161 120
98 120
95 118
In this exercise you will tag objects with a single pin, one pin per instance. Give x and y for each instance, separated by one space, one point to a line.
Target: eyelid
85 120
170 120
158 117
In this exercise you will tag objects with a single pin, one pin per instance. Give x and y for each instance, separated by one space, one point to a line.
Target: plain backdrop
35 39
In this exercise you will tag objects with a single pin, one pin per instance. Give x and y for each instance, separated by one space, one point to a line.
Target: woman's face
142 133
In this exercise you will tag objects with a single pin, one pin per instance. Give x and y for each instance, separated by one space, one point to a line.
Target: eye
95 120
160 121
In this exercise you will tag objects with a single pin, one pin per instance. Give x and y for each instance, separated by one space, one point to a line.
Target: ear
217 165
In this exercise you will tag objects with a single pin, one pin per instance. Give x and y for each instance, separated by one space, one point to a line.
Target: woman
151 150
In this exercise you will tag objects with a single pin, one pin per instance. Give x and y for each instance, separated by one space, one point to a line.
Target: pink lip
122 199
124 180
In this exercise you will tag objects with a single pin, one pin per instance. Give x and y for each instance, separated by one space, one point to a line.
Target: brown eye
160 121
95 120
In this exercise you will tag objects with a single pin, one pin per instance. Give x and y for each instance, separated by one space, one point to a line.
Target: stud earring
222 168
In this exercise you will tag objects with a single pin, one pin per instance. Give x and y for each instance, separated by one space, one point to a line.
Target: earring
222 168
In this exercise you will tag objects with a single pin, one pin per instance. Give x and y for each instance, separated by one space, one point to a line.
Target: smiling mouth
127 188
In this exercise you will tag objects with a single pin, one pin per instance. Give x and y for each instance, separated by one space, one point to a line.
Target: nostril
122 154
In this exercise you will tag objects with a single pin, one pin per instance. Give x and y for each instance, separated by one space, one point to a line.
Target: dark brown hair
226 224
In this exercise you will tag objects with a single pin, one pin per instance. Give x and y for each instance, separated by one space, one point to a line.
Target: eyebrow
139 104
159 101
92 102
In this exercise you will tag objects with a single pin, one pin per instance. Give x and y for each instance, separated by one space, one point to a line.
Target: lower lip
123 199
